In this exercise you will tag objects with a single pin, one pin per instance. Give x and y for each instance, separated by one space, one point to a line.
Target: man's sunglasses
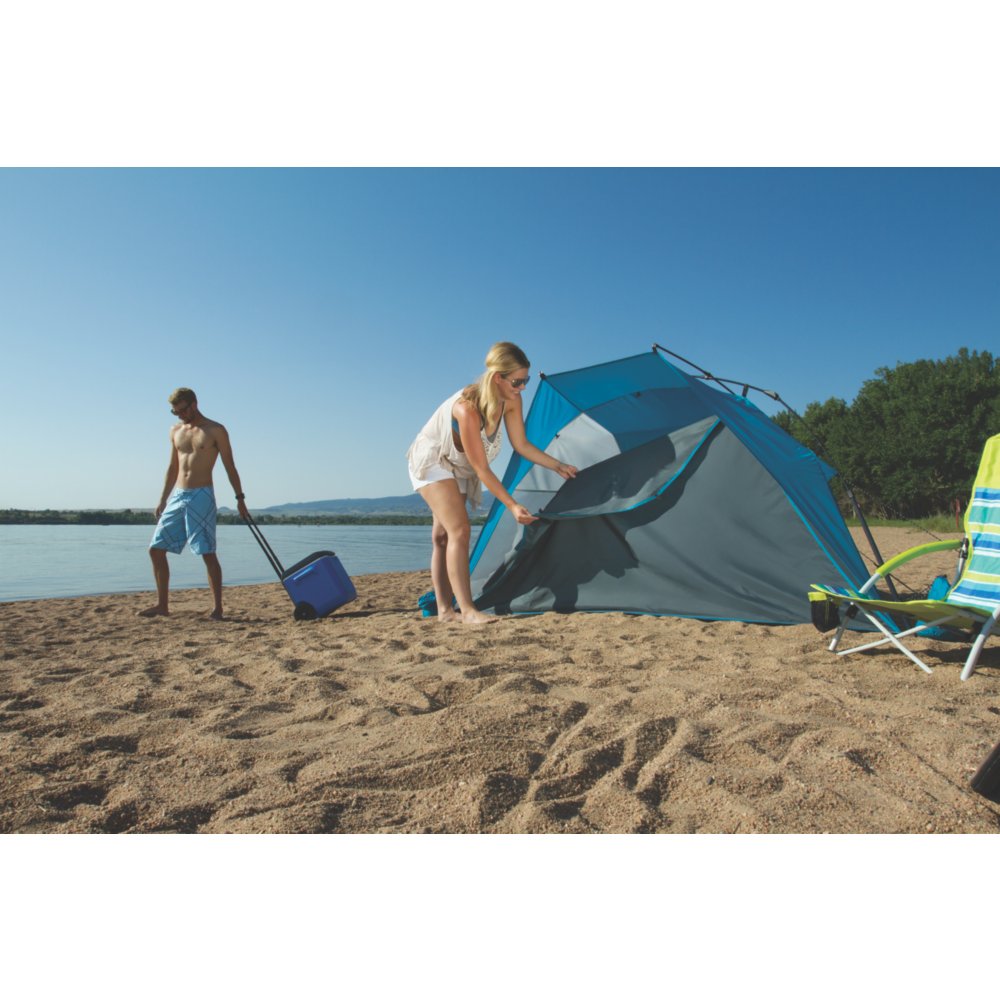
517 383
177 411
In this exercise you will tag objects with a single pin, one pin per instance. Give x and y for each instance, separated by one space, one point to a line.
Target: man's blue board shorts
189 517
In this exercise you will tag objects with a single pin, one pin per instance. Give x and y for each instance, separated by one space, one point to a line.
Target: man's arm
170 479
226 454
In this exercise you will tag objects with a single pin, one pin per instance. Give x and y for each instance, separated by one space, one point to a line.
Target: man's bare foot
153 612
217 615
451 615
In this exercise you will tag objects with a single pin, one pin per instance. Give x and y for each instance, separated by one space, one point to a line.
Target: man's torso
197 451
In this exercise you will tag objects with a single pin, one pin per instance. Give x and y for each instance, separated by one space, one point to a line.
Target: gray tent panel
754 560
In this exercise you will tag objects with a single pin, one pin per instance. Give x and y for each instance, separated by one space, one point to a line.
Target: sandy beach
376 720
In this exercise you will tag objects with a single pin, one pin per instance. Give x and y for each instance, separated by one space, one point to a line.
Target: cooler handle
265 545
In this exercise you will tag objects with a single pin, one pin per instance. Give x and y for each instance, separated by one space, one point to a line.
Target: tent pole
724 382
707 374
871 540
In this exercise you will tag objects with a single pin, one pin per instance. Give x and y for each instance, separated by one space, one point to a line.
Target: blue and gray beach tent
690 502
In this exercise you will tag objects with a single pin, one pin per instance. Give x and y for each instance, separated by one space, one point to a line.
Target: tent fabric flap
629 480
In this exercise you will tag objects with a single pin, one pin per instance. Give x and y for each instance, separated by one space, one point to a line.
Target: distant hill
412 504
407 509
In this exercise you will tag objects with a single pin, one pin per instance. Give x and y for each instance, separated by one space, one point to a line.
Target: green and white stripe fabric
980 583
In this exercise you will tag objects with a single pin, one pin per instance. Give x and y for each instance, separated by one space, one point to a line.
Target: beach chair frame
930 614
972 603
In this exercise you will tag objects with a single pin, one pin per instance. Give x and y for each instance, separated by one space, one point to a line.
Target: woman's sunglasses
517 383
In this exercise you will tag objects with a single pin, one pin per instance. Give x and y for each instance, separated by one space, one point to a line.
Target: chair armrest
942 545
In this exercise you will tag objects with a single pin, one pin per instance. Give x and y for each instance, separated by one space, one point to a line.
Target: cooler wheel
304 612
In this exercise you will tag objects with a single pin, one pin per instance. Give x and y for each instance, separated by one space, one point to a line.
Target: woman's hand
522 515
566 471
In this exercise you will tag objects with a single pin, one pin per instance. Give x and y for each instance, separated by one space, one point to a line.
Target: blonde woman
449 462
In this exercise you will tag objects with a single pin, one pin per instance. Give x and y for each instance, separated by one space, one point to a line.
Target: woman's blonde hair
503 358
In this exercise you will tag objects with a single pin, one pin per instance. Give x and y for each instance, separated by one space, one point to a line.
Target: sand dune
375 720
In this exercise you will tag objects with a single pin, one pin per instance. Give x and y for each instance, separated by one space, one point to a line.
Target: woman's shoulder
462 404
513 408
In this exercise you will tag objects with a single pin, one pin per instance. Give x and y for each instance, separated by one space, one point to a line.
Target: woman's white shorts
435 474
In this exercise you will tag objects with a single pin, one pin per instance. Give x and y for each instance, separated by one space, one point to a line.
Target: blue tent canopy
690 501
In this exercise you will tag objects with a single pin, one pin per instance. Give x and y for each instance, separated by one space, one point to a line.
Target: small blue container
318 585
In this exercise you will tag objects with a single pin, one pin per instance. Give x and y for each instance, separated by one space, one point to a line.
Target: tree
910 442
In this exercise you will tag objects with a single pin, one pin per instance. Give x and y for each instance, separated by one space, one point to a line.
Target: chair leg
889 637
838 635
970 664
849 612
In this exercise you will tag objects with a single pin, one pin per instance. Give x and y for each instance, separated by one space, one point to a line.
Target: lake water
69 560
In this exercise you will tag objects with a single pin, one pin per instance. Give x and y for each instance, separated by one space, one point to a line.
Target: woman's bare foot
478 618
217 615
153 612
451 615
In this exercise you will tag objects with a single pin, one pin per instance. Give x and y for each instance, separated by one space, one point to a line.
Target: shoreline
150 592
78 561
377 720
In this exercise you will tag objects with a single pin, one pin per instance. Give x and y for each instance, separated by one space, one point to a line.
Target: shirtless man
186 512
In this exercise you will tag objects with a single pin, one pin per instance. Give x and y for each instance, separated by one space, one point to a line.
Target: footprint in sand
21 704
76 795
113 744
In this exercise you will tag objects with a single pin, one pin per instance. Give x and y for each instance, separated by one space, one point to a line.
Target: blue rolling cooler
317 584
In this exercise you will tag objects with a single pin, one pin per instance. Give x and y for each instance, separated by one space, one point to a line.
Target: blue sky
322 314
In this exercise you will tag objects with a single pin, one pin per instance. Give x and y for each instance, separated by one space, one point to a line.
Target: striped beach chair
968 612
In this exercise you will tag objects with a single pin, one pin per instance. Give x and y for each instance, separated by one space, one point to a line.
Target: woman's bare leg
451 526
443 590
